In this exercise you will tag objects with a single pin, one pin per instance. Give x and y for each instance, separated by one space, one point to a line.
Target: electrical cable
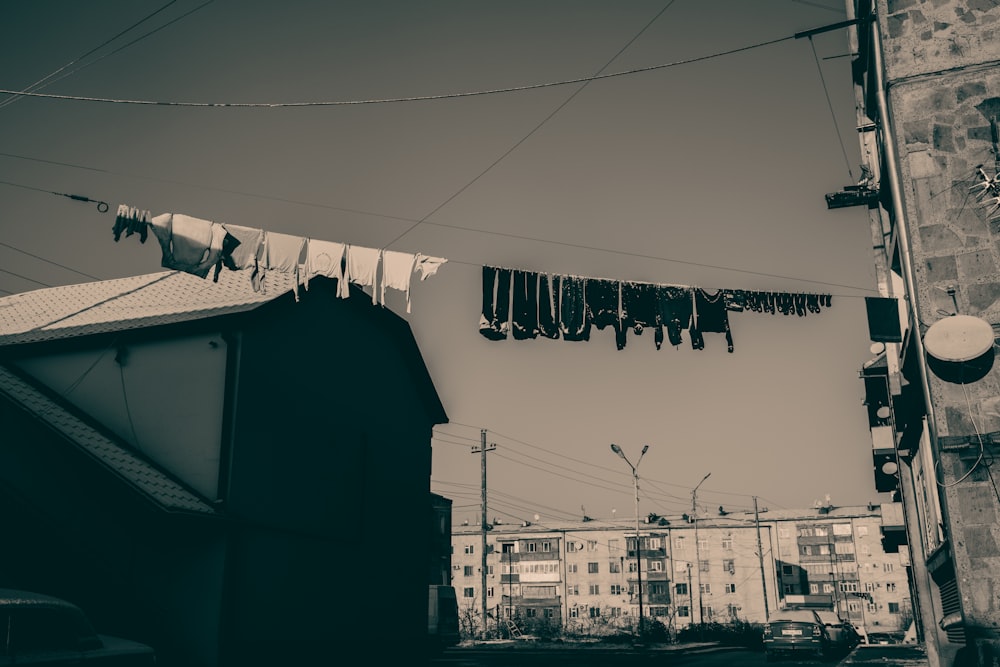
829 104
416 98
532 131
48 261
41 83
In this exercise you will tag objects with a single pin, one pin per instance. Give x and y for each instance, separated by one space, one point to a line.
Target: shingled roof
130 303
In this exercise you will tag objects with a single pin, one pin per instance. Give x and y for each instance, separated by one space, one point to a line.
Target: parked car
40 629
843 635
795 631
883 638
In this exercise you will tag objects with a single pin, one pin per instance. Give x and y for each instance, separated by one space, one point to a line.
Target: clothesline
201 247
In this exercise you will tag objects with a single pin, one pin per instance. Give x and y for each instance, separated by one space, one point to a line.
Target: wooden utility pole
760 556
484 524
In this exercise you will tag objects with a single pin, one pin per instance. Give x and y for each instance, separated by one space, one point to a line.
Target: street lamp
697 550
638 560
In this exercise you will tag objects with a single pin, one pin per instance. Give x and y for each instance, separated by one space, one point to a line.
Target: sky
676 142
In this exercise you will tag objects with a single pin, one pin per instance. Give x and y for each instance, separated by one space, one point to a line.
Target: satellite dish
959 338
883 412
890 468
877 348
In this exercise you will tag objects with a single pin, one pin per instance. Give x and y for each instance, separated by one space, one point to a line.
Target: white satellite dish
883 412
959 338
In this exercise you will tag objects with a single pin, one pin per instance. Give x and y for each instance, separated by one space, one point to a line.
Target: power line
829 105
41 83
48 261
388 100
532 131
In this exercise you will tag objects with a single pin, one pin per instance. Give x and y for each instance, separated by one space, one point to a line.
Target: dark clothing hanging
574 316
711 315
494 321
604 299
524 308
548 300
639 304
673 313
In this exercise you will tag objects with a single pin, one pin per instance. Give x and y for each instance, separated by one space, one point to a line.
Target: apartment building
584 576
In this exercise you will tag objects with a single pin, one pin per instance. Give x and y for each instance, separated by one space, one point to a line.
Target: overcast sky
671 167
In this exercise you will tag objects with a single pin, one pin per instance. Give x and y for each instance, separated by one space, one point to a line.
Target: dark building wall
329 476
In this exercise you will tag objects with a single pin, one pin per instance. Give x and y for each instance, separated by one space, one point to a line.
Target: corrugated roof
121 304
126 464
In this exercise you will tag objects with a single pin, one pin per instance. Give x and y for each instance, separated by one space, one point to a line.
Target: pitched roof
127 465
121 304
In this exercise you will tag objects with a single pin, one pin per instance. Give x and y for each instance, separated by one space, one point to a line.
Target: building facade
927 90
583 577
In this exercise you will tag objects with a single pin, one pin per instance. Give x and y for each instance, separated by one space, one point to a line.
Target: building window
530 613
729 565
616 612
573 589
814 589
614 566
654 543
872 607
591 545
467 570
632 566
727 542
706 589
614 545
570 547
733 610
469 592
654 566
890 585
844 547
730 588
893 607
824 549
489 570
489 592
616 589
807 550
595 612
848 587
680 543
595 589
853 606
681 589
507 548
788 589
870 586
702 542
683 611
821 531
656 589
709 613
549 612
574 612
786 570
703 565
887 567
531 547
592 568
470 548
571 568
546 546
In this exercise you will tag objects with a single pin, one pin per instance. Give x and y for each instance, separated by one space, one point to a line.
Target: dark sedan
40 629
795 631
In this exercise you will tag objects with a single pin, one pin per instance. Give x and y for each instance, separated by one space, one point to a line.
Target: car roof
10 597
829 617
797 615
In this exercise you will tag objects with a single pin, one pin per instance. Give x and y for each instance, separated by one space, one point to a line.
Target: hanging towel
250 239
427 266
188 244
397 270
361 269
324 258
494 320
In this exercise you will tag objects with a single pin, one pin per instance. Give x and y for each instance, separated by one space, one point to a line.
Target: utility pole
690 596
760 556
485 523
697 548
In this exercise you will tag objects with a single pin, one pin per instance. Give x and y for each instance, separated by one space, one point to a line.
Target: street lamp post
697 548
638 560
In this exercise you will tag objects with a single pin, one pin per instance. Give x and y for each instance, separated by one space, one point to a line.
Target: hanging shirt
324 258
494 320
361 269
282 252
639 305
427 266
250 239
712 315
574 316
604 300
397 270
674 306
